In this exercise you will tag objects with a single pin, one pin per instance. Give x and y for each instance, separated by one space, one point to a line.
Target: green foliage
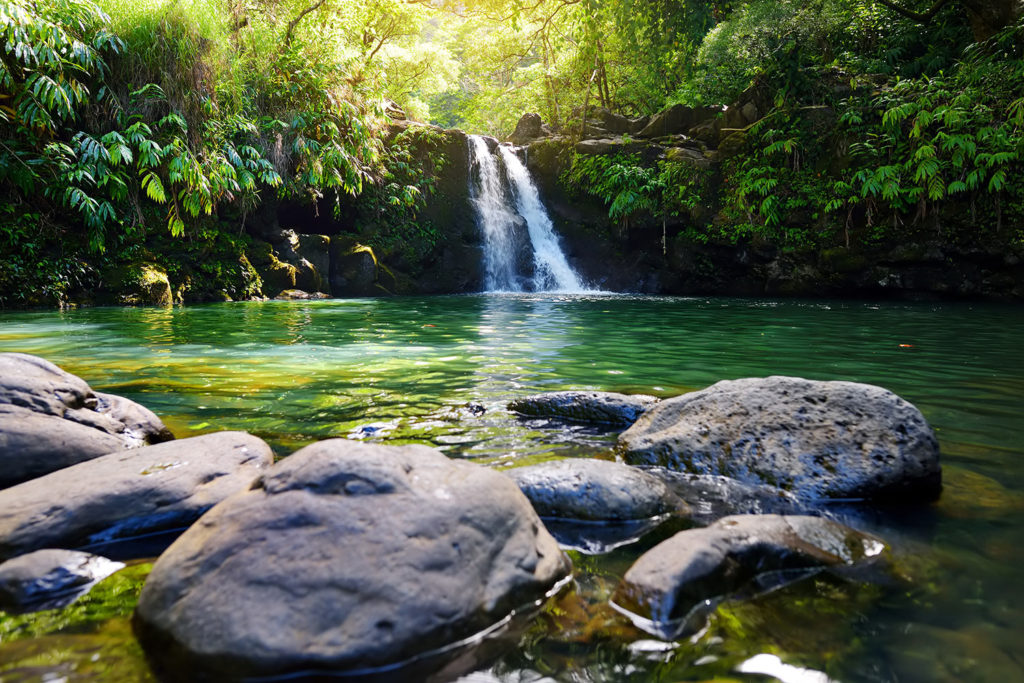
183 114
895 160
631 189
392 204
930 141
627 187
775 188
172 121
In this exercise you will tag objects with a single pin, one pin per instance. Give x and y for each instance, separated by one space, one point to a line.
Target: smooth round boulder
817 440
670 588
594 490
589 407
347 557
51 419
129 493
50 579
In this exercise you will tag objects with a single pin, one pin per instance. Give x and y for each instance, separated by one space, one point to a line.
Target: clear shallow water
409 370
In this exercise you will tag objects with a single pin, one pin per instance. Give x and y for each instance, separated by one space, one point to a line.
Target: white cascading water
498 219
552 271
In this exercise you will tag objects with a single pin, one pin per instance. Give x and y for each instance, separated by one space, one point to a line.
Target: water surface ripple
416 369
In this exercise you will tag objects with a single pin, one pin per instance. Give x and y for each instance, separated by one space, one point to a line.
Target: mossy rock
547 158
260 253
354 268
139 284
733 142
842 260
689 156
277 276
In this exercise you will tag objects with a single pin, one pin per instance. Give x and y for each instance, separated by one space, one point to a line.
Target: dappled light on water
440 371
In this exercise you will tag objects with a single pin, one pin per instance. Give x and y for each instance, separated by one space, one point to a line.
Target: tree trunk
550 92
988 17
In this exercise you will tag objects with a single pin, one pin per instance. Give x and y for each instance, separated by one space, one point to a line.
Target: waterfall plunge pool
405 370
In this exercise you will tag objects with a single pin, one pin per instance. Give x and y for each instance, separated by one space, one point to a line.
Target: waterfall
496 218
500 223
552 271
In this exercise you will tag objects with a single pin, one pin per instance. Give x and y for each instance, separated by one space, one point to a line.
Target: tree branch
295 22
919 17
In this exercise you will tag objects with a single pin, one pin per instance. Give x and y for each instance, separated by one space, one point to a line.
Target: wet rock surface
590 407
817 440
129 493
50 579
711 497
348 556
671 587
300 295
50 419
594 490
599 538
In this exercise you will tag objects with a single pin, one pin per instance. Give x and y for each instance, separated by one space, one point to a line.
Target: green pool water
416 370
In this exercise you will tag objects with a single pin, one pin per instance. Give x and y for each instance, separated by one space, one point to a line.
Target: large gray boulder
671 586
50 419
529 127
50 579
594 490
677 120
590 407
818 440
129 493
348 556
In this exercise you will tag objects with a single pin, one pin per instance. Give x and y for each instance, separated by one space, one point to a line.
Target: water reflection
440 370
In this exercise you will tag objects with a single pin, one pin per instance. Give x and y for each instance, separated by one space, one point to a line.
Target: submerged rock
50 419
817 440
670 588
350 557
711 497
50 579
591 407
594 490
599 538
128 494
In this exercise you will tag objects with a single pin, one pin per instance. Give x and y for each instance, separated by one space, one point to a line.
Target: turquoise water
409 369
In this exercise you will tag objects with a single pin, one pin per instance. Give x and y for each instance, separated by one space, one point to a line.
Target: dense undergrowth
153 131
850 151
170 120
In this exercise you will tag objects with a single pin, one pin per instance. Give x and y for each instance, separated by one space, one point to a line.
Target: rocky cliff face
358 255
654 255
